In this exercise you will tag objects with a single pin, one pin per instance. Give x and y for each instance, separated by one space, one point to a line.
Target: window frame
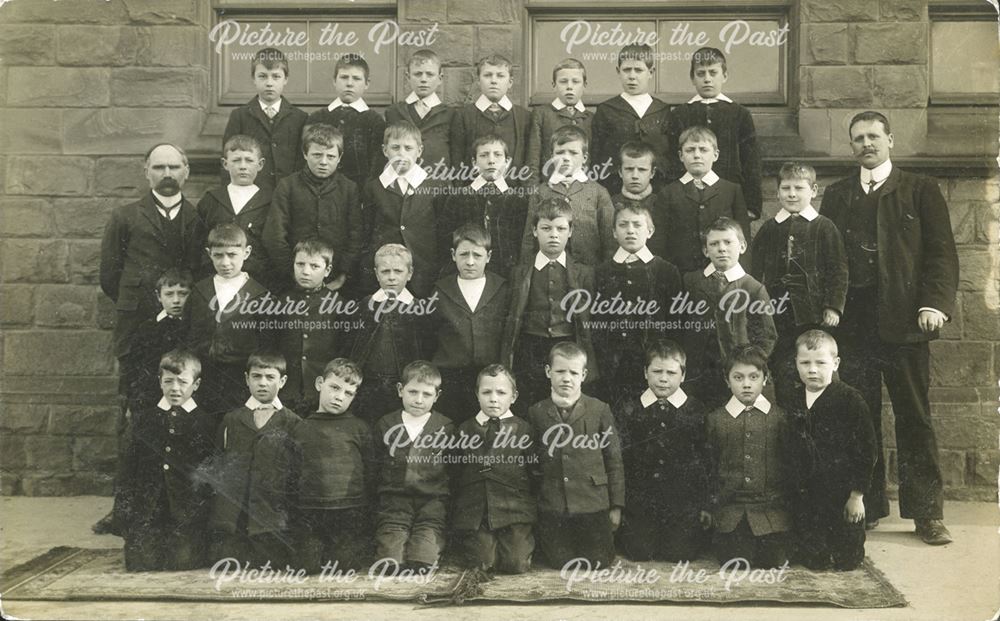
955 11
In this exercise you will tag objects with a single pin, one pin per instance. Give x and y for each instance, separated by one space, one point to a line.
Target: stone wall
86 87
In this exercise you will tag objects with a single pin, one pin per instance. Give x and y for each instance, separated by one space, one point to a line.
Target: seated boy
490 202
255 452
697 199
162 501
360 126
593 213
492 114
799 254
240 202
494 507
639 280
334 481
832 510
270 119
308 338
582 489
226 326
413 479
399 207
727 307
569 78
468 320
424 108
537 319
392 333
754 447
666 468
318 201
633 115
739 154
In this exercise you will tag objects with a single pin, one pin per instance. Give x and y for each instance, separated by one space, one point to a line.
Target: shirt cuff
933 310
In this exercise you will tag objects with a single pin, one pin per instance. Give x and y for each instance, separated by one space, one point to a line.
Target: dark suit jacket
687 217
615 123
279 138
917 260
410 333
134 254
363 133
435 130
216 208
307 346
465 337
224 339
408 469
593 220
468 123
578 479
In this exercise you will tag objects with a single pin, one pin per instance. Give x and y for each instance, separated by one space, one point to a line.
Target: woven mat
79 574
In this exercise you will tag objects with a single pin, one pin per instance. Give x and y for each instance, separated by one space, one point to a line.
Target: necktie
553 264
698 183
168 212
262 414
391 295
492 429
421 108
402 185
631 258
720 280
270 112
663 403
871 185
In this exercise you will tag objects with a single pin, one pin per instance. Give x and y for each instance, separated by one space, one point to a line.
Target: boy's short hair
569 63
567 349
871 116
723 224
747 354
315 246
667 350
265 359
421 371
322 135
394 250
242 142
350 60
569 133
271 58
552 208
814 339
345 369
636 208
227 234
182 152
636 51
496 370
697 133
797 170
472 232
490 139
423 56
636 149
707 56
176 360
497 60
402 129
174 276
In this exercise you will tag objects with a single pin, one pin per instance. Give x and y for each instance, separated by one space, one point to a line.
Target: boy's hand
336 283
831 318
930 320
616 517
854 508
705 518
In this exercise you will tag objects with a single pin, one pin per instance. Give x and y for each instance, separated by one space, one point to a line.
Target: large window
964 55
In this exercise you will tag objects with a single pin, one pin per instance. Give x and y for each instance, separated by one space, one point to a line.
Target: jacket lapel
709 192
449 287
150 212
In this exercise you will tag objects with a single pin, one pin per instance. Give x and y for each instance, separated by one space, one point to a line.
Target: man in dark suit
903 276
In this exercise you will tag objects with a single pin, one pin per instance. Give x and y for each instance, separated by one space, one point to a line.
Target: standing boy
569 78
424 108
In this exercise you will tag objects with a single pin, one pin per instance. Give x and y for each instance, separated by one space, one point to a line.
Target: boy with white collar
569 78
361 126
756 453
800 254
666 468
740 157
698 199
492 113
424 108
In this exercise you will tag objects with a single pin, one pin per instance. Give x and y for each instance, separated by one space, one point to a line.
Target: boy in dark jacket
569 78
424 108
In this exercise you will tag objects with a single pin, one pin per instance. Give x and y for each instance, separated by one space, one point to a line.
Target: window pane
965 58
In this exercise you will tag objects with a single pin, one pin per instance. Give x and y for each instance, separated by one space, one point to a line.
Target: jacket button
565 479
747 479
167 449
656 475
171 430
305 336
701 206
402 228
166 466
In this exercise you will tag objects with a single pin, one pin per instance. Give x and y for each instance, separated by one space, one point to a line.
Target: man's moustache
168 186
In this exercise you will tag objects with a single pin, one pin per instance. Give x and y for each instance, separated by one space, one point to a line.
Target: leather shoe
933 532
871 525
107 525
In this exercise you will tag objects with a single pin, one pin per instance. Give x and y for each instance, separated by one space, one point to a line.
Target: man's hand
930 320
706 520
831 318
854 508
616 517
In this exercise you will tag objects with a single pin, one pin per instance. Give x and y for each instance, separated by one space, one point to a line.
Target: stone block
983 467
901 87
815 130
106 313
25 217
65 306
58 352
173 46
978 270
987 217
12 454
483 11
963 221
82 421
903 10
49 175
84 261
456 85
98 453
163 12
960 363
10 483
23 418
67 12
142 86
982 316
120 176
840 11
27 45
824 44
961 189
952 330
84 217
58 87
50 453
75 484
836 87
499 40
423 11
970 432
34 261
890 43
952 468
455 46
17 305
31 131
127 130
101 46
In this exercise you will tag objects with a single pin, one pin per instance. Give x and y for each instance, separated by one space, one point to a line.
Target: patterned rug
80 574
